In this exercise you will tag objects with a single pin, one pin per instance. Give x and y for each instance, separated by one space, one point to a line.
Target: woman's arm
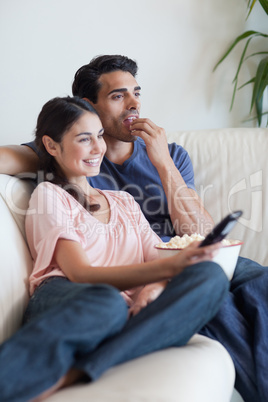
73 261
15 159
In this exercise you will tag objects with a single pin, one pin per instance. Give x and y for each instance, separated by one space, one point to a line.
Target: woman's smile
93 162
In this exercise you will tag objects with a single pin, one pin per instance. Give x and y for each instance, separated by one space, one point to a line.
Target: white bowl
226 257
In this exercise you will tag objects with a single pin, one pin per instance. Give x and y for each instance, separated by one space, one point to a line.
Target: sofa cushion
200 371
16 265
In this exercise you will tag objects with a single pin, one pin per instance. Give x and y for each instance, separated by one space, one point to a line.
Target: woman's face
82 148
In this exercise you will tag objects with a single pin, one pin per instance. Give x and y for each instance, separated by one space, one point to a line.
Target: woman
99 295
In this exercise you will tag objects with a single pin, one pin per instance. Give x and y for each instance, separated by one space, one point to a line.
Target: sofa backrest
16 262
230 168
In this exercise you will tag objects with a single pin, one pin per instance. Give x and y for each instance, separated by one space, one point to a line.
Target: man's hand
155 140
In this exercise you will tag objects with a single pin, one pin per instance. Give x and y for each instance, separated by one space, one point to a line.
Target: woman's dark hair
86 80
56 117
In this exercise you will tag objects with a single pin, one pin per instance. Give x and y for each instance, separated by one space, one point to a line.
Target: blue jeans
241 325
69 325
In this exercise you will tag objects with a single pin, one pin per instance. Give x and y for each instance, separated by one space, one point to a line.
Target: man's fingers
144 125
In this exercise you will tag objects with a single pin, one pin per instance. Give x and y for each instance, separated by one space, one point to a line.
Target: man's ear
50 145
89 101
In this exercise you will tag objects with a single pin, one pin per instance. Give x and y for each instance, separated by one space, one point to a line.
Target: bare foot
71 377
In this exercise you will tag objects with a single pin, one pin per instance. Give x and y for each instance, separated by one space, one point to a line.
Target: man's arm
186 210
15 159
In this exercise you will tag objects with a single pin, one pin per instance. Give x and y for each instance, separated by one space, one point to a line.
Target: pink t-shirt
54 214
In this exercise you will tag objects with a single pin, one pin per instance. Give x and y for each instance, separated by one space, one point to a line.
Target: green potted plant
260 81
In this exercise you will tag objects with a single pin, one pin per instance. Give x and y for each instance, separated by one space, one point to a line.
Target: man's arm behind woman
16 159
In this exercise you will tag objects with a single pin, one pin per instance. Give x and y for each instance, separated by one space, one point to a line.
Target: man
160 176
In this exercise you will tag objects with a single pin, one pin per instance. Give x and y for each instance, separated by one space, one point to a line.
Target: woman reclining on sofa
99 295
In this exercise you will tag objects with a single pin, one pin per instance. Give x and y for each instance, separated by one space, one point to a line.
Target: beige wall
176 44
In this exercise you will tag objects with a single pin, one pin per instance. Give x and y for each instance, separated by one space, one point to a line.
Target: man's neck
118 151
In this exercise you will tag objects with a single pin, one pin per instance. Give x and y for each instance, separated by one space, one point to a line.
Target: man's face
118 104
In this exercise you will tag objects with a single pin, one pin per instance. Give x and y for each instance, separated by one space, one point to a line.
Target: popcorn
185 240
229 242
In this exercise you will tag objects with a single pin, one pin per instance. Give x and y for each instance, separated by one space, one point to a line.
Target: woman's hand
194 254
148 294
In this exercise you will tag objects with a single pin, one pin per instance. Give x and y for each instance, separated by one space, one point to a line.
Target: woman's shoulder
47 192
47 186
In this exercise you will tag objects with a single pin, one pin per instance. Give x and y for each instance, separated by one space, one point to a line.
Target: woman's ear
50 145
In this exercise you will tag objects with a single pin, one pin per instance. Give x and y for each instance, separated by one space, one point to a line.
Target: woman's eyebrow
85 133
89 133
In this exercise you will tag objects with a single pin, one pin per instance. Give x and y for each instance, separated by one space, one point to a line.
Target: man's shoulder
175 148
179 155
31 145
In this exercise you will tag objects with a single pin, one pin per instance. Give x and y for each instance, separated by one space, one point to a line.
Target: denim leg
241 325
246 270
64 319
230 328
189 301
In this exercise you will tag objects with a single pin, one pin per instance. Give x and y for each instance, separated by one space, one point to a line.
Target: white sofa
229 170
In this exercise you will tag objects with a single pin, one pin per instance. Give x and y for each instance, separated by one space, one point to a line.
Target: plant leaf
242 58
233 96
251 7
255 54
264 4
235 80
261 81
254 117
258 105
236 41
246 83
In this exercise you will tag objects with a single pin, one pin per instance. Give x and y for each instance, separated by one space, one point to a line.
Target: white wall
175 42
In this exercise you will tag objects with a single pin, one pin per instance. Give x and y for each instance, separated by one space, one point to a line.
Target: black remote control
221 230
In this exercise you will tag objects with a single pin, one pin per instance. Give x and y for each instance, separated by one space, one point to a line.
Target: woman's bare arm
16 159
73 261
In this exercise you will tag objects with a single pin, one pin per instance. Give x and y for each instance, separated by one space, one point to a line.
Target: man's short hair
86 80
